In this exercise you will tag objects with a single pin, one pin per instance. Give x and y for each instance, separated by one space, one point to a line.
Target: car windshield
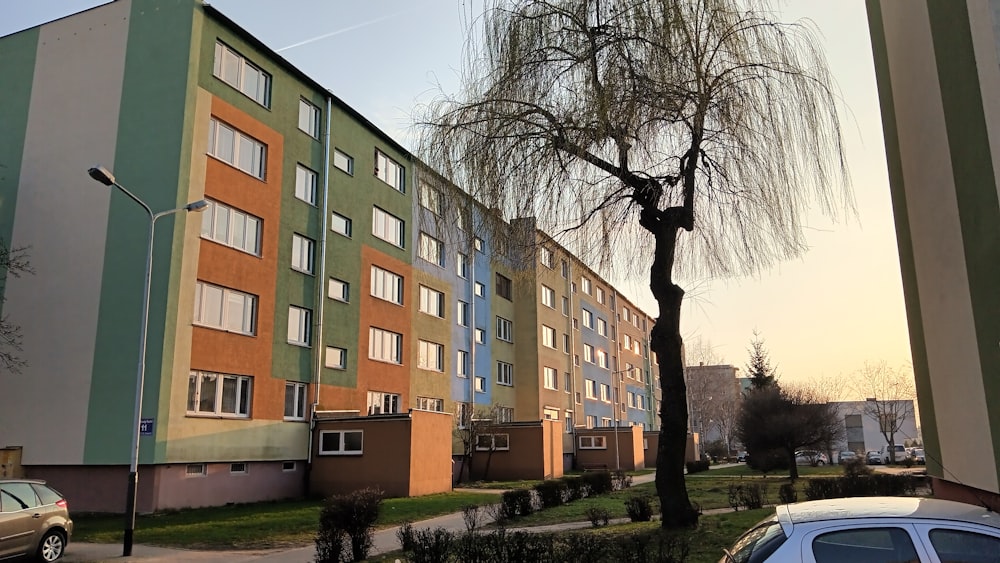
755 545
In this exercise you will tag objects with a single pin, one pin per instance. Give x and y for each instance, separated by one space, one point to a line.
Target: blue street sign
146 427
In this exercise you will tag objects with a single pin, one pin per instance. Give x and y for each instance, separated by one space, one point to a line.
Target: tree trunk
793 468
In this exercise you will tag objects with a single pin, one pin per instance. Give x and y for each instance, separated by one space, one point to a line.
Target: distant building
714 395
862 430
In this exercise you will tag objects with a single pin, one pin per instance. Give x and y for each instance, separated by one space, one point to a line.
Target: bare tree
628 123
13 263
471 424
889 395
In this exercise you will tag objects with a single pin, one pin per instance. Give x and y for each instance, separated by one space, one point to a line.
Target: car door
19 518
953 542
862 540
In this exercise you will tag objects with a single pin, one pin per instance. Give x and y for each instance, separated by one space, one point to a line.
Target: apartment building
330 272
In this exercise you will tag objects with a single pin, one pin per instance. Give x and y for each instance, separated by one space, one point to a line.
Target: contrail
339 31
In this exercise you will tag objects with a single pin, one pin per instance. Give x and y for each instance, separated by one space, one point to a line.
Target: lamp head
102 175
197 206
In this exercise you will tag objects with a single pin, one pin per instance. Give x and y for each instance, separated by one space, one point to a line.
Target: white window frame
480 336
590 388
386 285
240 400
390 171
588 319
545 256
258 90
492 442
431 302
548 337
431 249
462 313
342 442
430 356
592 442
462 266
602 327
234 154
479 289
303 254
588 353
600 295
343 161
505 373
380 402
548 297
388 227
231 227
602 358
296 394
339 290
462 364
385 345
429 198
550 378
309 118
228 316
586 285
299 326
332 355
565 306
550 413
306 182
431 404
605 392
238 468
341 224
505 329
591 421
480 384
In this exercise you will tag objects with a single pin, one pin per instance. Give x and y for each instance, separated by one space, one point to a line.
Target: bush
857 466
598 482
598 516
768 460
576 487
876 484
517 502
407 538
748 496
471 516
431 546
639 508
349 517
552 493
620 480
787 493
697 466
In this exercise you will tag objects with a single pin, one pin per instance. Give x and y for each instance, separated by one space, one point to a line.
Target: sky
822 316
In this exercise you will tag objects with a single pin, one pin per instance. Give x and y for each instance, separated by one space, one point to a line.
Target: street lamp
104 176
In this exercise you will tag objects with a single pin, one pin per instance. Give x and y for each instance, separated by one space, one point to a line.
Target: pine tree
762 375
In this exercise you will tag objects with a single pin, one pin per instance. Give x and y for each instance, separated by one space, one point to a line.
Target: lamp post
104 176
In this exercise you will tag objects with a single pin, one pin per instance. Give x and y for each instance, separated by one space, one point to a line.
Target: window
388 227
305 184
341 442
430 356
605 393
431 249
389 171
505 373
309 118
588 319
462 364
430 404
385 345
430 199
548 336
576 359
194 470
288 466
861 544
340 224
477 243
567 381
480 384
236 229
219 394
463 412
382 403
591 421
480 290
480 336
565 343
602 327
303 251
627 342
631 399
295 400
592 442
343 161
640 402
386 285
241 74
238 468
505 330
299 325
635 348
339 290
492 442
224 309
550 413
626 314
548 297
545 256
237 149
962 545
462 266
605 421
504 287
588 353
600 295
585 285
336 358
431 302
565 306
590 386
564 268
550 378
462 314
505 414
569 422
602 358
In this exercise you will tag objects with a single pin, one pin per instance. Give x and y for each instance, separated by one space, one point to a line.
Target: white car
900 452
865 529
811 457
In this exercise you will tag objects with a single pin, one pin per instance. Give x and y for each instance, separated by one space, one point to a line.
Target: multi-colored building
331 272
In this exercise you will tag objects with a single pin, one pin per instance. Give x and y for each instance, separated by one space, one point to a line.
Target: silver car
871 529
34 520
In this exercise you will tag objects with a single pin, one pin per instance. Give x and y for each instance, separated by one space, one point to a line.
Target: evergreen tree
762 375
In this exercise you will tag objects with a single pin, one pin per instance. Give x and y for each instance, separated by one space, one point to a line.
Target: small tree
888 396
13 263
470 424
759 368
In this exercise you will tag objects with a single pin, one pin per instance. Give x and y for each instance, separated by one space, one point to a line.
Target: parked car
741 457
34 520
811 457
871 529
873 457
846 456
918 456
899 450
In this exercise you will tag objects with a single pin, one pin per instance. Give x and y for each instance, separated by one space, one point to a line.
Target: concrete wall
535 453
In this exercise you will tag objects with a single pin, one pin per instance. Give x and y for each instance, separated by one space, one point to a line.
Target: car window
865 545
755 545
46 494
17 496
959 546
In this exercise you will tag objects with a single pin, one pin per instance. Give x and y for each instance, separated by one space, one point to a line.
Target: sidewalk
385 541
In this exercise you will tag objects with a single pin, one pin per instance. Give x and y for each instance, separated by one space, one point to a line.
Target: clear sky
821 316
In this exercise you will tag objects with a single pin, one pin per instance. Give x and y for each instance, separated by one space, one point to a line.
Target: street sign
146 427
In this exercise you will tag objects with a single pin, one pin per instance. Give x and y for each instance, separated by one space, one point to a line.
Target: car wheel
820 463
52 546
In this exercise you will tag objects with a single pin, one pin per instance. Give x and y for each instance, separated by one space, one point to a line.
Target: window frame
431 302
262 95
431 250
548 297
382 282
211 216
248 316
242 399
345 290
394 351
302 333
593 442
342 442
306 184
303 249
504 287
258 159
343 162
550 378
313 115
388 403
505 330
348 224
300 399
430 355
343 357
388 227
505 373
390 172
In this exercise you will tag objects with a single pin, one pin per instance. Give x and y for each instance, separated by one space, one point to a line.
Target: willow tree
697 131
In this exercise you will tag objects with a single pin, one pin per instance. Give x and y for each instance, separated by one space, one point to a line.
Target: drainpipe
616 373
320 283
572 355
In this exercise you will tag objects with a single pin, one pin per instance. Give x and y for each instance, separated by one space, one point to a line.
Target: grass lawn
257 525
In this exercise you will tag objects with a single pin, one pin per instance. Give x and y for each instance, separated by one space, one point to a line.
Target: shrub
787 493
518 502
598 516
552 493
431 546
598 482
857 466
471 516
352 515
697 466
876 484
620 480
753 496
639 508
576 487
407 538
